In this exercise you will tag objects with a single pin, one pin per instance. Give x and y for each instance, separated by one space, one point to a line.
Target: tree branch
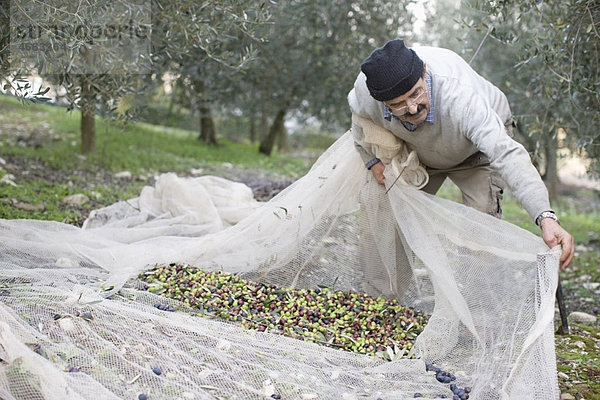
481 43
587 8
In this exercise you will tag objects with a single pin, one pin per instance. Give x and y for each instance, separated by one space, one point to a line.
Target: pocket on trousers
496 195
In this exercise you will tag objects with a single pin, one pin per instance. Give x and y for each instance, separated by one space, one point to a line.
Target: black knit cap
392 70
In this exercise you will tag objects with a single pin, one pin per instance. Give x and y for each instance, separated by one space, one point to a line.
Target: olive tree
311 55
219 39
104 52
95 51
544 56
14 80
556 73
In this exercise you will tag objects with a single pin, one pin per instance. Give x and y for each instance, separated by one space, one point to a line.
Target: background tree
560 51
87 52
183 33
311 57
544 56
216 42
13 80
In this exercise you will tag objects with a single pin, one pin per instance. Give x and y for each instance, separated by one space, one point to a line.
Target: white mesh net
74 324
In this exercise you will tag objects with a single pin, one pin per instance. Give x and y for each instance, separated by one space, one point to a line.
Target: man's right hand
554 234
377 171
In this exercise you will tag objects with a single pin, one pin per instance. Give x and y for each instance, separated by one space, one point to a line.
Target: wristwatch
546 214
372 162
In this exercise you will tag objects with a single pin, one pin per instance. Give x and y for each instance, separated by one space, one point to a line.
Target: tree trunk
267 144
208 134
282 138
252 121
207 127
88 123
551 175
263 118
171 106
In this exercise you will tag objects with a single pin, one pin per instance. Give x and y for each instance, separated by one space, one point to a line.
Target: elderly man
460 126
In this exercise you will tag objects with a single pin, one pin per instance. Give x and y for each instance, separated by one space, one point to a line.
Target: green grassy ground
39 145
42 139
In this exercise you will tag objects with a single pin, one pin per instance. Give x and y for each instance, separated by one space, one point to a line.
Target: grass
44 138
583 225
138 148
579 362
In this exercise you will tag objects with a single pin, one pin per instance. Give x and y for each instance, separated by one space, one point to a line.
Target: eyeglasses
403 110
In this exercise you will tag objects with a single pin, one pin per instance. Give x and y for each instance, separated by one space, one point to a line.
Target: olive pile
347 320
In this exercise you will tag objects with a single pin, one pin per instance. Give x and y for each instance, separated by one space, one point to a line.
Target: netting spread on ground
73 325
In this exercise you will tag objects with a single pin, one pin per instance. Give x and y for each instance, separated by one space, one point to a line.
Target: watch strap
372 162
545 214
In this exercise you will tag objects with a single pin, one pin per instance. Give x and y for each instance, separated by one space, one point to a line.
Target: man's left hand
554 234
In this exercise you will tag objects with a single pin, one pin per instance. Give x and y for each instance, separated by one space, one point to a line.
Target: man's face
414 105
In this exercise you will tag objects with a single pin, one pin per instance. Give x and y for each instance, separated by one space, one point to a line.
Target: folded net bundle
74 326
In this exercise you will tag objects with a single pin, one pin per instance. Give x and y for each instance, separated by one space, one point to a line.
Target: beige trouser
480 185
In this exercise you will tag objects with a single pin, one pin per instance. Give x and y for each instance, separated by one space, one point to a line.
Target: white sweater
469 116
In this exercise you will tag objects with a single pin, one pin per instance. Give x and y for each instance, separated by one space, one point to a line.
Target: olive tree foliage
219 38
87 51
14 80
545 56
310 58
488 44
105 55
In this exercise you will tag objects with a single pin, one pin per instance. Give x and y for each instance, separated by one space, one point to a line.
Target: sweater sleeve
484 128
357 132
